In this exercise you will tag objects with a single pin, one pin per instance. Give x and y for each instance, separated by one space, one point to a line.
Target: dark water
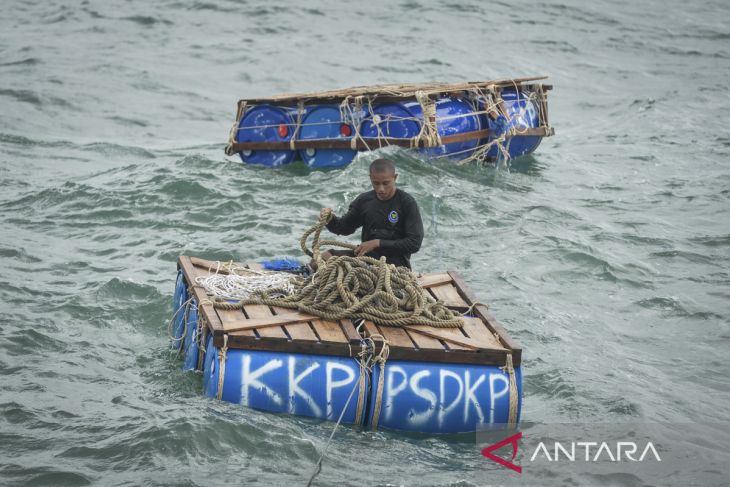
607 254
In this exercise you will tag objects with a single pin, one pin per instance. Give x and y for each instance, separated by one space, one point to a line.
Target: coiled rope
355 288
240 283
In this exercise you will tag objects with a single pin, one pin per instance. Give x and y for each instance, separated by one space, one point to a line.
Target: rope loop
222 357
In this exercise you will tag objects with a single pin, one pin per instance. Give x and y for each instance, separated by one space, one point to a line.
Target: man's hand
325 211
366 247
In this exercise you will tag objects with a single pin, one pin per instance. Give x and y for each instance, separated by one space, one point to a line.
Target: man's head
383 176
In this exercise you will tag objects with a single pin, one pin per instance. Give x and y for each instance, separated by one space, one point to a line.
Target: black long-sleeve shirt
395 222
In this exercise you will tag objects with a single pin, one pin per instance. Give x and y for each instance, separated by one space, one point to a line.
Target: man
389 217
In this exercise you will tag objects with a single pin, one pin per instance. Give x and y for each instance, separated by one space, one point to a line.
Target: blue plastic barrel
453 116
190 343
178 309
317 386
325 122
522 114
443 398
211 353
391 120
266 123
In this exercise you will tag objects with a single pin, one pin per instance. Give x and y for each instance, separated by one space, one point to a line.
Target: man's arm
351 221
411 243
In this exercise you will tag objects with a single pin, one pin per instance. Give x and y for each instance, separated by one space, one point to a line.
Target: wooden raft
481 340
391 93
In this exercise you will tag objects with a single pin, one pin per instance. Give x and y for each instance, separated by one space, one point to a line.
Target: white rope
242 286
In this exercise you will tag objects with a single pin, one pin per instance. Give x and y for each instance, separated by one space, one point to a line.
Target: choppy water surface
606 255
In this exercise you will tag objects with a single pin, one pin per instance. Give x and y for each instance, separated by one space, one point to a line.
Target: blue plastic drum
190 343
325 122
443 398
180 313
317 386
266 123
391 120
522 114
453 116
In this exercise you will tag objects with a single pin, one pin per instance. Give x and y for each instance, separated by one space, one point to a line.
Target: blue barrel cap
325 122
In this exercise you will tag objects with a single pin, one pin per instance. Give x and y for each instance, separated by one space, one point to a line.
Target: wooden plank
478 331
434 279
450 335
362 143
189 272
297 331
329 331
350 331
210 266
288 346
234 315
370 328
457 339
489 320
365 143
301 331
396 92
263 318
479 357
454 339
449 295
423 341
255 311
396 336
436 355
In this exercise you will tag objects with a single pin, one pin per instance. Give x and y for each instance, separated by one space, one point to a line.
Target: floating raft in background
456 120
435 380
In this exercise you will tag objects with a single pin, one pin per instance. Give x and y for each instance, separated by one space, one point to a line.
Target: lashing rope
222 357
513 399
381 358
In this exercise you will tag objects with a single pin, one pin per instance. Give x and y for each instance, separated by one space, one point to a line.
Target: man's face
383 184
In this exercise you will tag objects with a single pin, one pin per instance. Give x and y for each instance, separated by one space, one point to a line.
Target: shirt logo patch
393 217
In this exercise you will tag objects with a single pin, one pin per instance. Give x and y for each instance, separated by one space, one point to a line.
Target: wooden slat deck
481 340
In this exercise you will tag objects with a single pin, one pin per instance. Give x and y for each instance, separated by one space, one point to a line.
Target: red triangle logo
512 440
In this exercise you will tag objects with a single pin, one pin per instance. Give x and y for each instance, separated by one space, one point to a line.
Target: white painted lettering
423 416
334 384
471 398
251 379
392 390
493 394
295 390
445 409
